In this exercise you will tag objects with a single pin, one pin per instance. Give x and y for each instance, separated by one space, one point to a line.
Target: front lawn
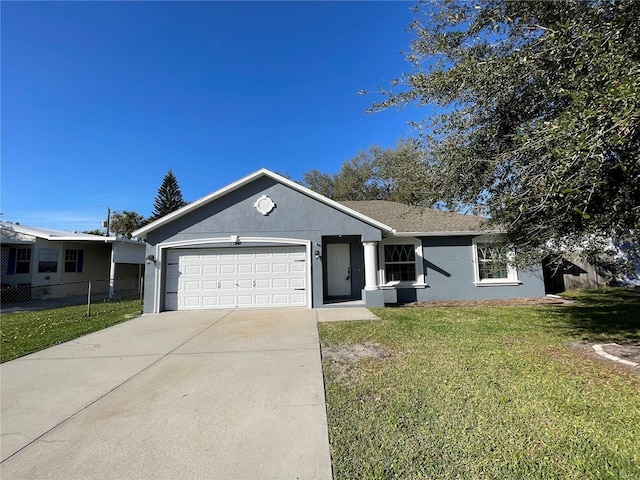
486 392
22 333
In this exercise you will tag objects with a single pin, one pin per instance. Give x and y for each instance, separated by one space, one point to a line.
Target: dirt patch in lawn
341 356
353 353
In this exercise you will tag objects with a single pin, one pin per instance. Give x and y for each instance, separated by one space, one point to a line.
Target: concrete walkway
215 394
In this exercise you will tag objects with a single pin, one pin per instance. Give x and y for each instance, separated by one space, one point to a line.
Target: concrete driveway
214 394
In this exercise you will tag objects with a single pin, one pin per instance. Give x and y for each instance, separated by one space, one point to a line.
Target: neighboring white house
38 257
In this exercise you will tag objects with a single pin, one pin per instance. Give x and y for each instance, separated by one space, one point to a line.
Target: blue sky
101 99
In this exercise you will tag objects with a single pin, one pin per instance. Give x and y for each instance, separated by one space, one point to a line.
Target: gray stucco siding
296 216
235 214
450 272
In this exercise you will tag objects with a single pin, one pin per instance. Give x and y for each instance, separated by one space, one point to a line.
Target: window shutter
80 257
11 264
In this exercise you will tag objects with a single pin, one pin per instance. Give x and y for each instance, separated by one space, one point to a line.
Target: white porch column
370 270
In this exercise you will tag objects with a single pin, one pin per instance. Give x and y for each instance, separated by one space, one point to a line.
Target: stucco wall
449 269
296 216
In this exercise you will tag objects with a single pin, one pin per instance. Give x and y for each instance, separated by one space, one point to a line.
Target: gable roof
416 221
142 232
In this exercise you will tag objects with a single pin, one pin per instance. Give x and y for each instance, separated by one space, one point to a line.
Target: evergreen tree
169 197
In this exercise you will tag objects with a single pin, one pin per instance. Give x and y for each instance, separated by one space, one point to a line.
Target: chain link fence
44 297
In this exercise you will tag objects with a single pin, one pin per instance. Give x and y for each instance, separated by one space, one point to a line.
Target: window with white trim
73 261
493 263
401 260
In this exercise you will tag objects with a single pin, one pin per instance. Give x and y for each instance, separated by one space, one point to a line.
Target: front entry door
338 270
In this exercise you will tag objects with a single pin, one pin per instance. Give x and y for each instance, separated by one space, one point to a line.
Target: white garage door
244 277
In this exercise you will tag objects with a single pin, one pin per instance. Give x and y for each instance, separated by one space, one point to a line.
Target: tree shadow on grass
603 316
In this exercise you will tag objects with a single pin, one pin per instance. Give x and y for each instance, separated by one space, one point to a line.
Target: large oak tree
395 174
539 118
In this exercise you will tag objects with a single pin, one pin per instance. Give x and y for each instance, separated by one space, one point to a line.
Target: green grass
487 392
22 333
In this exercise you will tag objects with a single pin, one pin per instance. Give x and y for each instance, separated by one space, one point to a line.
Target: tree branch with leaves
537 119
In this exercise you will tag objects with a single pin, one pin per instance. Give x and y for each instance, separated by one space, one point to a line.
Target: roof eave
461 233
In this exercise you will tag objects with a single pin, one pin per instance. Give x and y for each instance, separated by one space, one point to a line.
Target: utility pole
106 224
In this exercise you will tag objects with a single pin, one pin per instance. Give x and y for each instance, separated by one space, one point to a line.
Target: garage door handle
299 288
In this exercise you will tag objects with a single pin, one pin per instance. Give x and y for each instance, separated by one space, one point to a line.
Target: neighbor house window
493 263
19 260
23 260
73 261
48 260
402 261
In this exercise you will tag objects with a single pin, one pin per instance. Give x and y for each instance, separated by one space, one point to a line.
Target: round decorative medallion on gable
264 205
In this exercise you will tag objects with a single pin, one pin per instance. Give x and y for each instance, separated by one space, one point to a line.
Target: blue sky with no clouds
101 99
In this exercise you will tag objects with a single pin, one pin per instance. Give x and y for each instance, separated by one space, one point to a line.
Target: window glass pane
492 262
400 263
47 260
399 272
399 253
22 267
47 267
70 261
23 260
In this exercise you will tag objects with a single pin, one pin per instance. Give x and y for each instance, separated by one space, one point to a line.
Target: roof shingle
412 219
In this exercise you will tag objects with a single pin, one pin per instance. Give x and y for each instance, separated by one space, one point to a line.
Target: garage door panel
194 286
209 285
297 267
263 268
244 269
281 299
226 269
245 300
236 277
280 282
192 269
210 302
297 299
191 302
280 268
227 301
